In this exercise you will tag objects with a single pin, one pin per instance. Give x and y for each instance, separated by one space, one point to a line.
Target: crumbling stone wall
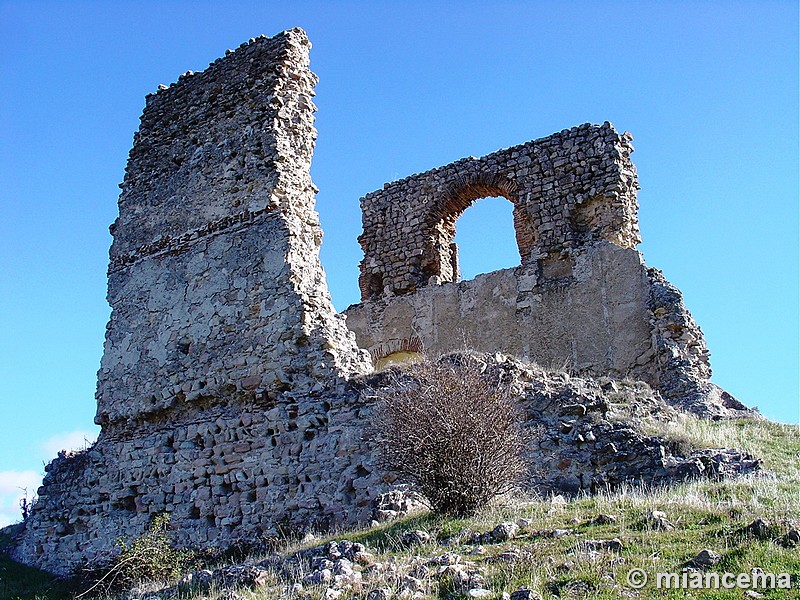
230 393
214 276
593 319
239 469
582 297
222 392
568 189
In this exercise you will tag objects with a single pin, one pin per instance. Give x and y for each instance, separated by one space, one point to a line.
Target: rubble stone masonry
222 389
232 396
582 298
567 189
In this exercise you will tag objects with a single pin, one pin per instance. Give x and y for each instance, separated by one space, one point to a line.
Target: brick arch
440 260
409 344
568 189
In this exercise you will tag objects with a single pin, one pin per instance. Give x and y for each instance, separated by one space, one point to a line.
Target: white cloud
13 486
73 440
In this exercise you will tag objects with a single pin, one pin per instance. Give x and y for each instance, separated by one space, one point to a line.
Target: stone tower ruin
226 391
222 384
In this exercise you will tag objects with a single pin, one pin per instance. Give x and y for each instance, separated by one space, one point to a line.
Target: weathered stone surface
706 558
414 538
222 390
657 519
525 594
233 397
568 188
504 531
215 283
582 297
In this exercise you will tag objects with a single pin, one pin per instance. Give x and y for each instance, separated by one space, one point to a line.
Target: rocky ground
525 548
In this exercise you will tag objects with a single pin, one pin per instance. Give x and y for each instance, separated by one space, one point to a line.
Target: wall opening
398 358
498 228
485 238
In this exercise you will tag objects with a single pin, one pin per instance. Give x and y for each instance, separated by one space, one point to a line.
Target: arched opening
397 359
485 238
492 242
397 352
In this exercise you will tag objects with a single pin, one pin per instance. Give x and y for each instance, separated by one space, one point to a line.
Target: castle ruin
226 392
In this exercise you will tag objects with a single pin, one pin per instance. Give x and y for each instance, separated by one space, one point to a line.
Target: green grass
20 582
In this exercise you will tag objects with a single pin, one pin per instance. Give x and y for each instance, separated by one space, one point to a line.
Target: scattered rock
551 533
479 593
504 531
448 558
525 594
415 538
413 584
613 545
476 580
576 589
343 567
365 559
657 519
333 551
509 556
332 594
791 539
383 593
759 529
241 576
566 566
603 519
321 562
319 576
524 523
705 559
457 574
199 579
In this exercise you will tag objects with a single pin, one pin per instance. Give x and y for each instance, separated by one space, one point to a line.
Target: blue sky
708 89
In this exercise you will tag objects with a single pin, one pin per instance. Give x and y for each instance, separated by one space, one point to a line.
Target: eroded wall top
213 147
570 188
215 283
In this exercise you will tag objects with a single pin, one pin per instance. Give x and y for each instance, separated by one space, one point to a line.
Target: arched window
440 261
485 238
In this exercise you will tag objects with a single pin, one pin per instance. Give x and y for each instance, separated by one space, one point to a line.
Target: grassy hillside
581 548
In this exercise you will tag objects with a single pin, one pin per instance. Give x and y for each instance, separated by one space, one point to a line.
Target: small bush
447 429
149 558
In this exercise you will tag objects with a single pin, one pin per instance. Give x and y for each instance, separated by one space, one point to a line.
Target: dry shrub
451 432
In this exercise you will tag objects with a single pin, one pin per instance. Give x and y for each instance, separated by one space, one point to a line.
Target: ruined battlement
568 189
242 129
